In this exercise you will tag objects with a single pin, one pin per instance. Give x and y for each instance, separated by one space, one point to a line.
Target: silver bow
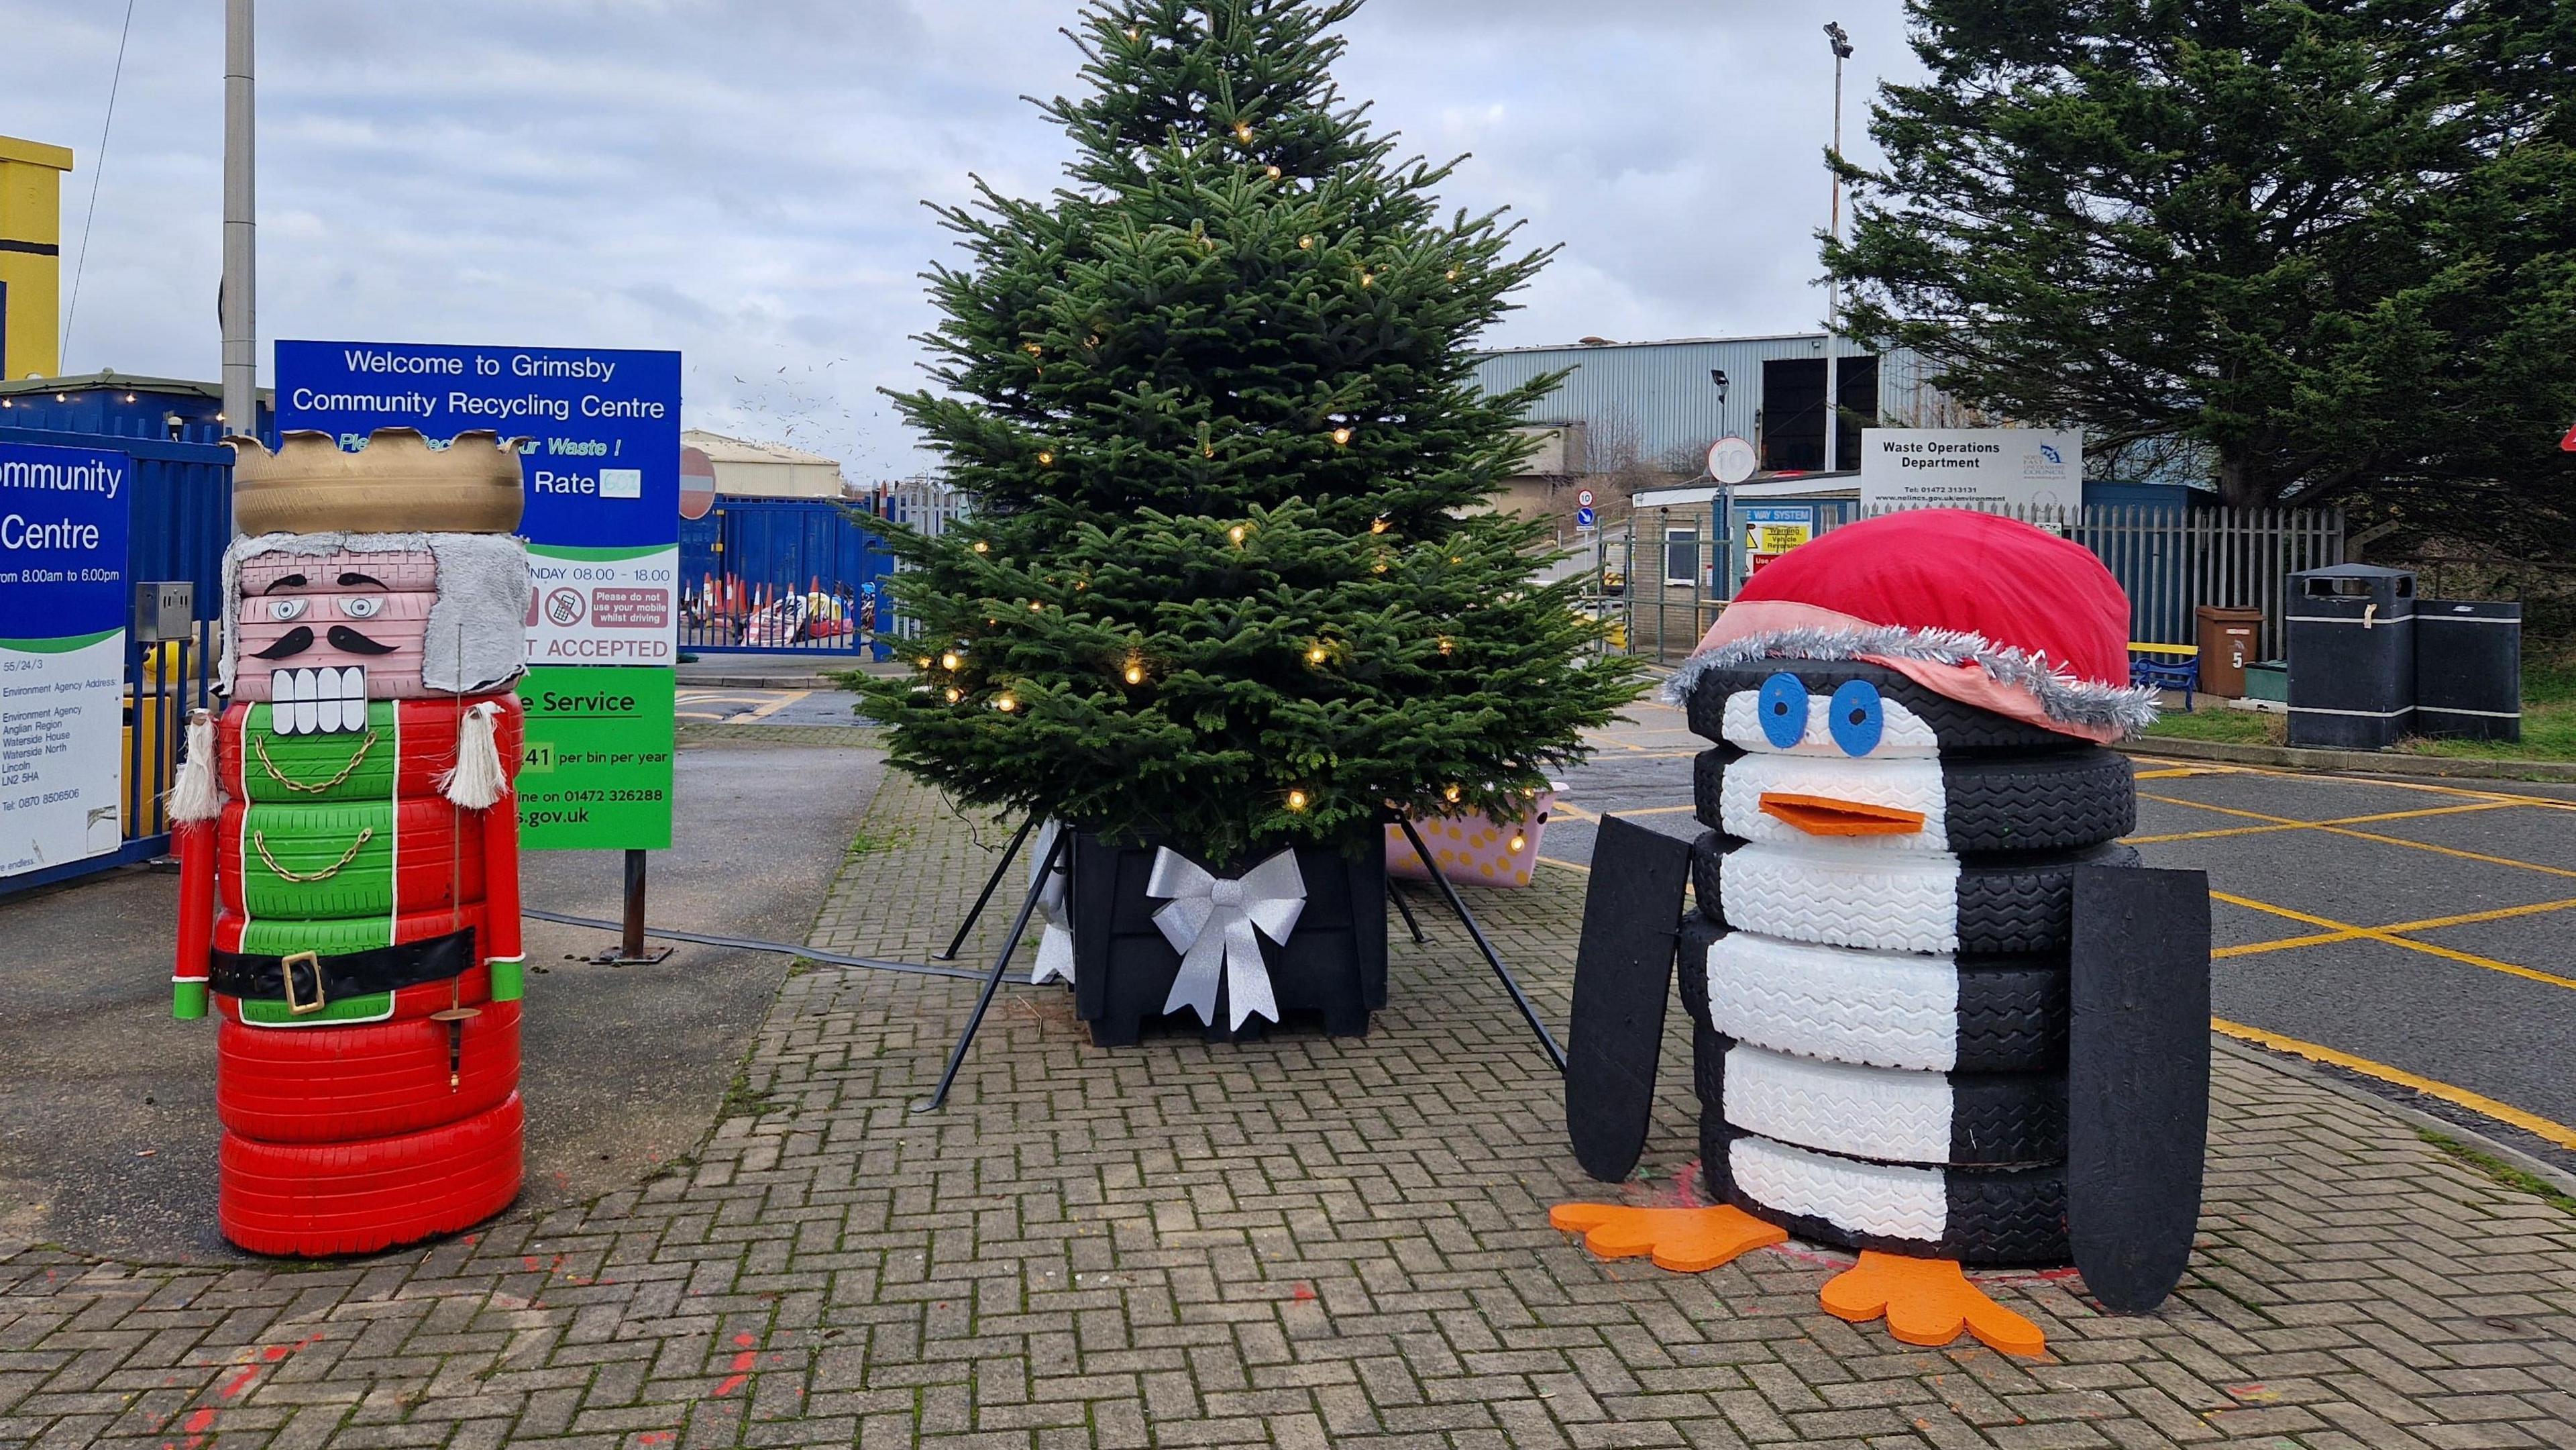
1210 923
1055 944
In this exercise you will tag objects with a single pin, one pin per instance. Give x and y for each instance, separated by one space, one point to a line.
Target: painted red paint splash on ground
743 1363
201 1421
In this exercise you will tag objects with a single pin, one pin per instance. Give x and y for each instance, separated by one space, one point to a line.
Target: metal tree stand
1037 885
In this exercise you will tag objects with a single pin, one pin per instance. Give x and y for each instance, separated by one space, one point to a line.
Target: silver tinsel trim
2130 708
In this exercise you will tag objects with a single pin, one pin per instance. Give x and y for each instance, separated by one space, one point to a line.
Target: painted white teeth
313 700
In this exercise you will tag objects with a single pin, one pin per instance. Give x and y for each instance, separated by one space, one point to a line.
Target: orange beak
1824 816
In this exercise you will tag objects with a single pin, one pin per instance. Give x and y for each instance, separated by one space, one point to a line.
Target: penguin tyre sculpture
1940 1015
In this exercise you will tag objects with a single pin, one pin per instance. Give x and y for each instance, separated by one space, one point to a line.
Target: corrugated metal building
1661 403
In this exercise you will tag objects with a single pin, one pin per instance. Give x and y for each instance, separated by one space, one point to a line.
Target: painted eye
1858 717
363 606
1783 707
285 609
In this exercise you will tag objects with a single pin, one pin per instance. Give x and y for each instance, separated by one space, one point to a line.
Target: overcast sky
742 179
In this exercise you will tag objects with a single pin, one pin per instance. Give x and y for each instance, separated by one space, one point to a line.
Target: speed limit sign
1583 498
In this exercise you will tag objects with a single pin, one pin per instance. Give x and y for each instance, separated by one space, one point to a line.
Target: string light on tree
949 661
1296 800
1342 436
1135 672
1006 703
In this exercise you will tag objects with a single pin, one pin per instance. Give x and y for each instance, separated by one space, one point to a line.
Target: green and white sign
63 604
596 773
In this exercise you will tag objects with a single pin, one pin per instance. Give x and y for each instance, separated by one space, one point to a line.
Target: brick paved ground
1298 1243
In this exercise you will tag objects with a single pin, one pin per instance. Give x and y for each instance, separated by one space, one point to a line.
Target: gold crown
396 484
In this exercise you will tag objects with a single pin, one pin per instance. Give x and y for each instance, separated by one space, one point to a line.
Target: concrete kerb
2348 762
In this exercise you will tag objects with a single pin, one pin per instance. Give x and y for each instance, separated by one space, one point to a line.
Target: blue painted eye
1783 707
1858 717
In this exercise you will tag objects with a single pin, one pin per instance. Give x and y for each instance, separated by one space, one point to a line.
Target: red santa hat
1984 609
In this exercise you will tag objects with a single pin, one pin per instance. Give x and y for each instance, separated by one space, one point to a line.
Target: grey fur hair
477 637
2128 708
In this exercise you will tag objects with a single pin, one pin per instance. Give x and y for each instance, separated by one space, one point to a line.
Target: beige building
745 469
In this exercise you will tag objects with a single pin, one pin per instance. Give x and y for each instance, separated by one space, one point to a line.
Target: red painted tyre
415 742
380 1080
355 1198
349 859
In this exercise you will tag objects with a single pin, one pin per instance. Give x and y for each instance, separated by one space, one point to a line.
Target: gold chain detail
259 747
259 843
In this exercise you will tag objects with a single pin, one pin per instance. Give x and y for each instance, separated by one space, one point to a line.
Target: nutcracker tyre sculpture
1940 1015
348 844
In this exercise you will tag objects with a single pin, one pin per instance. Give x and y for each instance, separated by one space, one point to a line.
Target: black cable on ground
749 944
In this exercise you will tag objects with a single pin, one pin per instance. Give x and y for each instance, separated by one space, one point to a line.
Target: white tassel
476 781
195 796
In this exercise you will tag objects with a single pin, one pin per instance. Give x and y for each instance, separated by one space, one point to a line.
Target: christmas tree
1231 582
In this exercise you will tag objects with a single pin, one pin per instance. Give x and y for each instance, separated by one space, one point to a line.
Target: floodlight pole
1841 43
241 337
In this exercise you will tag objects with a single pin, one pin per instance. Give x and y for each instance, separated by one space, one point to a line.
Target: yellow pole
31 257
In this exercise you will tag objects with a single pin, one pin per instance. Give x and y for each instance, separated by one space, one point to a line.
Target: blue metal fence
782 574
183 518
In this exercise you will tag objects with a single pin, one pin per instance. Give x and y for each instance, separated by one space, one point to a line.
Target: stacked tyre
1881 1009
363 1121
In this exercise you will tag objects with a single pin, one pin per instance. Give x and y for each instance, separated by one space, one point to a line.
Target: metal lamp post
1842 45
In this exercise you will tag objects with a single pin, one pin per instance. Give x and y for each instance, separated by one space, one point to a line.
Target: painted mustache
344 639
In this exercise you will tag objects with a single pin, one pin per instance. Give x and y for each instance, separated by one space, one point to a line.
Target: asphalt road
108 1141
2426 928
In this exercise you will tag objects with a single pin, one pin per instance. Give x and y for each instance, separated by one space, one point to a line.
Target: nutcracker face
318 626
321 634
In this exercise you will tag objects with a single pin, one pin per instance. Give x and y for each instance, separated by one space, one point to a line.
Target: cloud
744 181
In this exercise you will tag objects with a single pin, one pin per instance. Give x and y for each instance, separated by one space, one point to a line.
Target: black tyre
1991 1216
1690 963
2025 903
1958 726
2053 800
1892 1115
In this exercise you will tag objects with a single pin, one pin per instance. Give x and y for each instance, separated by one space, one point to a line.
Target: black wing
2137 1079
1623 974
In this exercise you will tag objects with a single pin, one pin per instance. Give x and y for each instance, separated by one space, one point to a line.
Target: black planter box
1334 963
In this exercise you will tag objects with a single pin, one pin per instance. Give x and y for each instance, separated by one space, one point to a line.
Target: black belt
307 981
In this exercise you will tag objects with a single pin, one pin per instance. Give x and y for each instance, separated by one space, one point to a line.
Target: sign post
602 474
63 609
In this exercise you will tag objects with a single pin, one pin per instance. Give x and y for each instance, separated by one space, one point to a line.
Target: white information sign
2017 468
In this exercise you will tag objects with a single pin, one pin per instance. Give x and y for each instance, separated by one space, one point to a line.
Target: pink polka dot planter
1473 850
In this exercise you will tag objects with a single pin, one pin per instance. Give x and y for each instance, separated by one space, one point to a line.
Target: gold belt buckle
286 968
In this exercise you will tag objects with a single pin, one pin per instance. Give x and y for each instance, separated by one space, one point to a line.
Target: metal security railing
1663 579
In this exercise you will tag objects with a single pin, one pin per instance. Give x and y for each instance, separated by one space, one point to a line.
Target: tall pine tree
2331 243
1229 582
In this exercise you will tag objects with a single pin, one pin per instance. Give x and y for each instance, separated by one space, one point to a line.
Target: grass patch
742 1100
2548 721
2501 1171
872 843
2219 723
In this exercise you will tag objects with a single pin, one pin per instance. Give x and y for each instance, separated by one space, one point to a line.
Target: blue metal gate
183 518
770 574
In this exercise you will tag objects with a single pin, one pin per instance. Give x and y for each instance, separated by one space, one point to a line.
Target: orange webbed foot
1927 1302
1684 1240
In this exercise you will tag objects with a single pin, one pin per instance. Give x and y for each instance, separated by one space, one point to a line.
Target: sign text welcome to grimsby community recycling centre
601 469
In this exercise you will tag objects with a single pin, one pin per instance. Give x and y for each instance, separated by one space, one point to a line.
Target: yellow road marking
2346 931
2476 1102
2336 830
2309 825
2163 774
2544 801
2430 923
1568 865
774 706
